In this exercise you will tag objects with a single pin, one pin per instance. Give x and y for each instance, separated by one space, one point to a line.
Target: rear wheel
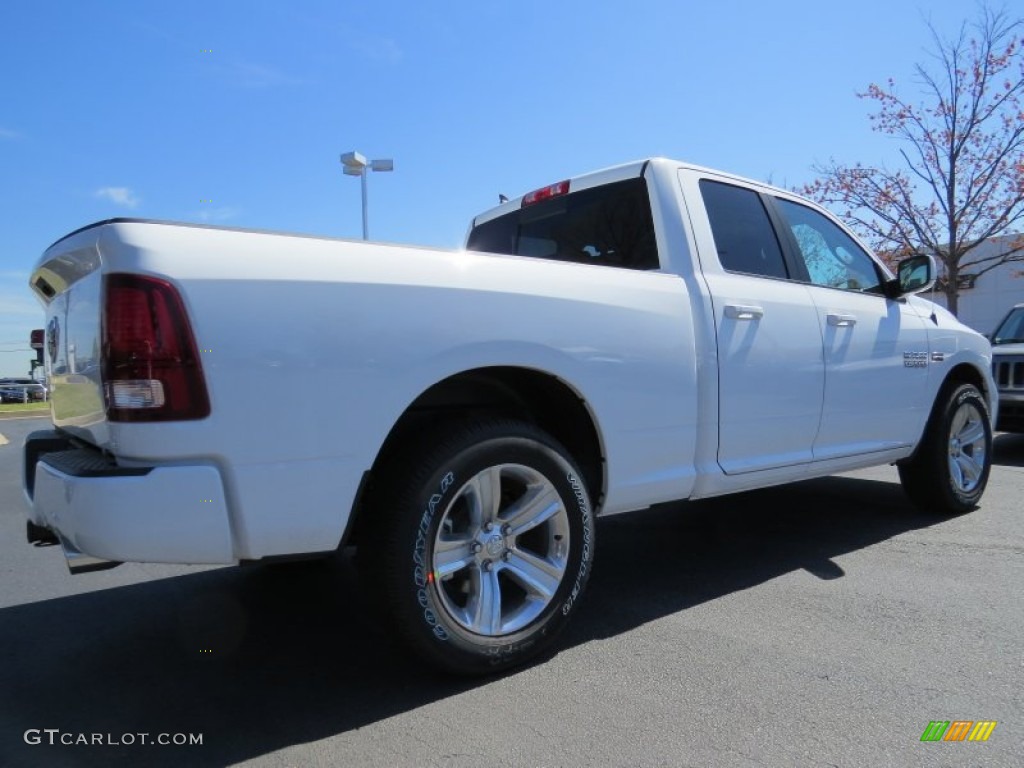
479 545
949 471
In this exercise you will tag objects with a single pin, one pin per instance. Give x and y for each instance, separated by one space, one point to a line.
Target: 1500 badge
915 359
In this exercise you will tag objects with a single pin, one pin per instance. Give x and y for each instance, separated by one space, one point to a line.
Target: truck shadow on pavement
258 659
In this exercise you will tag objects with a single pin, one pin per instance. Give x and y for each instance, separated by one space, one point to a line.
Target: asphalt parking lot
821 624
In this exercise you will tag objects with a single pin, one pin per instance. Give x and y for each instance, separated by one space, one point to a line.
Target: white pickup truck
651 332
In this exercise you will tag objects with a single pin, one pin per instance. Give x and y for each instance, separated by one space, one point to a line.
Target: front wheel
479 546
949 471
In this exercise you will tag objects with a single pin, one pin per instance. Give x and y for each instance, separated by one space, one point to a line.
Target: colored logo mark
958 730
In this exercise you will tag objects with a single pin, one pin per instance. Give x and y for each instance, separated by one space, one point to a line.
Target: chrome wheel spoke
484 493
970 471
536 575
485 608
972 433
954 469
538 505
451 556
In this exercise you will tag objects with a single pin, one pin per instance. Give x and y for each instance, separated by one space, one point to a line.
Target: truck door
876 348
771 374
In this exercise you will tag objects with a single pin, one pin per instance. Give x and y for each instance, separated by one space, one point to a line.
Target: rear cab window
608 225
743 233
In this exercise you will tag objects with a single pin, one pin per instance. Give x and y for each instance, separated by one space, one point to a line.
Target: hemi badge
938 357
915 359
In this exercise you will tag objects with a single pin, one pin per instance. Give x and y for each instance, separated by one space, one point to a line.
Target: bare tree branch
962 177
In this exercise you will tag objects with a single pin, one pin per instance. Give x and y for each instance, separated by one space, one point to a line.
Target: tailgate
68 281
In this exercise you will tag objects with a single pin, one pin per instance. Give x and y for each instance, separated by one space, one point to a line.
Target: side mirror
915 274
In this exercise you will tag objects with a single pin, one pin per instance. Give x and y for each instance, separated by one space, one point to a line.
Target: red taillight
546 193
151 368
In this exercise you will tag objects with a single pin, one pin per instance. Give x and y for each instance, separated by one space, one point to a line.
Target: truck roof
594 178
611 174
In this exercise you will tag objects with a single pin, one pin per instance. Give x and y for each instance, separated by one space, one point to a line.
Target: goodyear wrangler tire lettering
421 569
585 559
500 531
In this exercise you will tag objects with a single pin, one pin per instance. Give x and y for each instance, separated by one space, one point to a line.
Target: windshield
1012 328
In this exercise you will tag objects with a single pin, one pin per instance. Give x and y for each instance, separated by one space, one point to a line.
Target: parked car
1008 369
21 391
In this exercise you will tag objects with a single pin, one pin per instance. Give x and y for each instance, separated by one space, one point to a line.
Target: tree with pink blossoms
960 176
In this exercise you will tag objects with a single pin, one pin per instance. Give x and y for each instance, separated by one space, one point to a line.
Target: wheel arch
514 392
965 373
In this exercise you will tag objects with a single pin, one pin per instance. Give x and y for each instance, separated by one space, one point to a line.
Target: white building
985 299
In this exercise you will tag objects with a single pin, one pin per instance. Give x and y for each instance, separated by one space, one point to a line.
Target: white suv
1008 369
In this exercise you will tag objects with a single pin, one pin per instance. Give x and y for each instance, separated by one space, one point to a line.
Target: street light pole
355 164
366 215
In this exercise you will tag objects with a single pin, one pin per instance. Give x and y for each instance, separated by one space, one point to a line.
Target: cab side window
744 236
831 256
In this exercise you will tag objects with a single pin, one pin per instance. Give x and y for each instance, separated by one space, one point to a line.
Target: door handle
743 312
841 321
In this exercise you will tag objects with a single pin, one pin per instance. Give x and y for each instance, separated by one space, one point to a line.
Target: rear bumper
101 512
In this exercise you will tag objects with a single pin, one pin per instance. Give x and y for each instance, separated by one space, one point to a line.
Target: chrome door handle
743 312
842 321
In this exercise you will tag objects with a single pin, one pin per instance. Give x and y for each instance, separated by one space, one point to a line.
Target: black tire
438 555
947 476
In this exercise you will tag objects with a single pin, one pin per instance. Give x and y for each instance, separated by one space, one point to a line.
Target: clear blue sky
116 108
